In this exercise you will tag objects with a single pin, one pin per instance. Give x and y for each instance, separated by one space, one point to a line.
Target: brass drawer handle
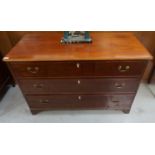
119 85
38 85
125 69
115 100
44 101
33 70
77 65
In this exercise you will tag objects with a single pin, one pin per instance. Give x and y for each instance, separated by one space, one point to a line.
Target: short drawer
86 86
120 68
52 69
80 101
78 68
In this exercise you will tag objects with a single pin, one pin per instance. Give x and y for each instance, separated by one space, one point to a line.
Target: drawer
86 86
81 68
120 68
52 69
80 101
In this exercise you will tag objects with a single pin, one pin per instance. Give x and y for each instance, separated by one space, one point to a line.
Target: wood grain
59 102
5 44
78 85
109 71
148 40
70 69
46 46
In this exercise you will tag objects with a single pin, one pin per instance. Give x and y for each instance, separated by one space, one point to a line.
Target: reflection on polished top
46 46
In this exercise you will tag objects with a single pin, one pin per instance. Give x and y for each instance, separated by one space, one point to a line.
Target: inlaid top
46 46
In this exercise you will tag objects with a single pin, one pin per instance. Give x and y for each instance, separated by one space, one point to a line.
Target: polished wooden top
46 46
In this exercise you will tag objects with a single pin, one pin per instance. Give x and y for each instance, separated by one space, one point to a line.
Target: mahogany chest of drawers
102 75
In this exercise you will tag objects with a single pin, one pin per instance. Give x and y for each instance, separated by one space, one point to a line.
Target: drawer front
82 68
120 68
80 101
86 86
52 69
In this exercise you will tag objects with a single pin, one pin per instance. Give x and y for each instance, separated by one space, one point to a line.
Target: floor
13 108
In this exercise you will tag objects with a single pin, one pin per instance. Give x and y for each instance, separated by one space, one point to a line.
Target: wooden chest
102 75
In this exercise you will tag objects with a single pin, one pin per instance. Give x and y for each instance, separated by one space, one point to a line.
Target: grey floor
13 108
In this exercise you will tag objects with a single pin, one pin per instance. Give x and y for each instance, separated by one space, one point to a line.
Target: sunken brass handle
123 69
44 101
33 70
115 100
38 85
119 85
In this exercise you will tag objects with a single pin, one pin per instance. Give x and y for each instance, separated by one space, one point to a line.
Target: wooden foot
126 111
13 84
34 112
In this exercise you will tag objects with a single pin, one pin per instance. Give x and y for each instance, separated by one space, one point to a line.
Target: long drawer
78 68
84 86
80 101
